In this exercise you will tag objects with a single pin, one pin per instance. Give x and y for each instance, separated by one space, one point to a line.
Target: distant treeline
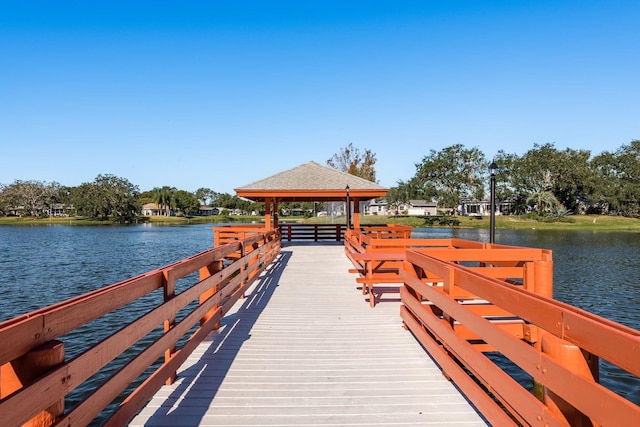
109 197
544 179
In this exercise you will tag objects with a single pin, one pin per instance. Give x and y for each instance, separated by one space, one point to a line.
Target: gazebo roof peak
311 181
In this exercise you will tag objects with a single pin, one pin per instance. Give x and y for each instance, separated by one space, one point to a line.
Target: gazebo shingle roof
311 181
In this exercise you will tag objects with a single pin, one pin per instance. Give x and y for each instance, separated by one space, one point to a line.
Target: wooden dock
304 348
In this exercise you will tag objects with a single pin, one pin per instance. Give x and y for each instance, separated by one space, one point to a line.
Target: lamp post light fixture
492 217
348 210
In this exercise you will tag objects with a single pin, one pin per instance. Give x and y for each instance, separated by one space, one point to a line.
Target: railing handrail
230 233
608 340
502 302
222 283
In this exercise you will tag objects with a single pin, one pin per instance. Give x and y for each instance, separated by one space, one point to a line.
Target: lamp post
348 210
492 217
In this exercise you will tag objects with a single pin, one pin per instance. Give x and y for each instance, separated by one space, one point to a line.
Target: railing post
251 263
205 272
170 322
572 358
20 372
543 278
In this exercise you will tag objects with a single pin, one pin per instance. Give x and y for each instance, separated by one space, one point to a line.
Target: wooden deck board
305 349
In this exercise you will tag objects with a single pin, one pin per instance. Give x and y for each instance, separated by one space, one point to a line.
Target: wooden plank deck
305 349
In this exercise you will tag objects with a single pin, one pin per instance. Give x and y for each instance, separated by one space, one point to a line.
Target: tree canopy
32 198
616 180
107 197
544 179
452 174
351 160
206 196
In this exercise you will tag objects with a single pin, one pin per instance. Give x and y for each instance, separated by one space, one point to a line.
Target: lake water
41 265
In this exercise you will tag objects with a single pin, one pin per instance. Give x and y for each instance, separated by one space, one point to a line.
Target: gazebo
310 182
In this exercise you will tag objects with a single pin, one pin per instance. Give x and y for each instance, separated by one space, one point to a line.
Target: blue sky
220 94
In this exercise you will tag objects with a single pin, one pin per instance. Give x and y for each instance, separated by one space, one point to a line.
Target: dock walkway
305 349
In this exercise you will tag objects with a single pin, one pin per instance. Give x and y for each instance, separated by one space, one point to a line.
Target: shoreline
511 222
576 222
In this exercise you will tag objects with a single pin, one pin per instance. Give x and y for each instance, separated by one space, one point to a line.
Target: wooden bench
372 270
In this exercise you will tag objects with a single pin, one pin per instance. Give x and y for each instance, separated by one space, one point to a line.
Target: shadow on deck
305 349
199 382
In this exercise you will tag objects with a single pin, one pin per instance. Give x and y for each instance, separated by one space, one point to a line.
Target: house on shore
153 209
483 208
208 211
420 208
411 208
53 210
376 207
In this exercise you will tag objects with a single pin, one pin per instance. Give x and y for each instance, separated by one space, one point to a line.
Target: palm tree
163 197
543 200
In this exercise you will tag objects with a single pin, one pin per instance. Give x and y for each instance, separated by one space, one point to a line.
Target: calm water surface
599 272
41 265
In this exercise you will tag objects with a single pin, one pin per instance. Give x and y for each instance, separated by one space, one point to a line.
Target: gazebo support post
267 213
275 214
356 214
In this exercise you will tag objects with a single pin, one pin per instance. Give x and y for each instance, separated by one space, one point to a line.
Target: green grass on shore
159 220
513 222
577 222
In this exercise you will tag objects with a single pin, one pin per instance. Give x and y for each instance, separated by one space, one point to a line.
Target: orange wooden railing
378 257
232 233
35 378
302 231
462 299
390 231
